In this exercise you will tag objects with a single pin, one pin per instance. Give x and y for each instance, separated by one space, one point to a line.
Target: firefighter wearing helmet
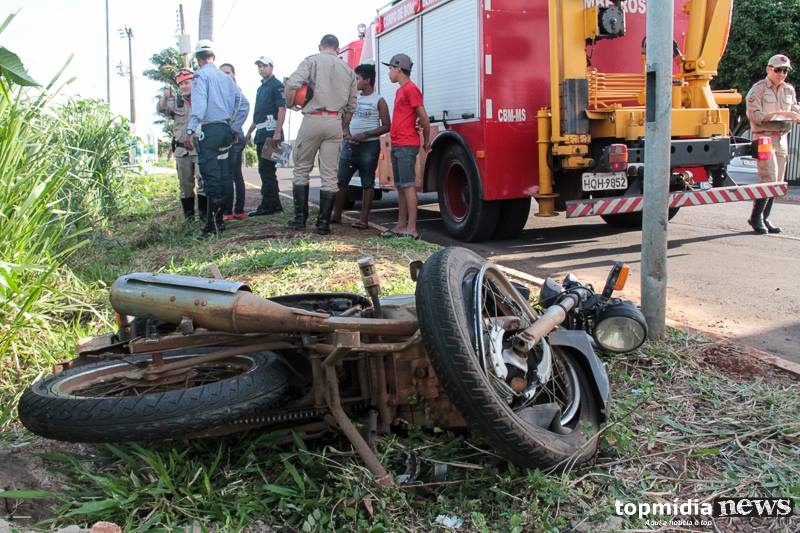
178 107
326 118
216 100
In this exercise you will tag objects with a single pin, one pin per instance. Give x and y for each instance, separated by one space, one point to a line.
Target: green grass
688 419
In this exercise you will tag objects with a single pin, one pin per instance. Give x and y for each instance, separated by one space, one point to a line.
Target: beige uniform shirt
331 79
764 98
167 105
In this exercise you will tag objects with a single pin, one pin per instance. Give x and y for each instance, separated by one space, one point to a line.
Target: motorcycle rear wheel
523 433
101 403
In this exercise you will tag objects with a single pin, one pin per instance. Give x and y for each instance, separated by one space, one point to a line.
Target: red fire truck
546 100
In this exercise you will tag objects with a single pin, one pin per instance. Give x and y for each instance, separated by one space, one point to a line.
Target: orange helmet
302 95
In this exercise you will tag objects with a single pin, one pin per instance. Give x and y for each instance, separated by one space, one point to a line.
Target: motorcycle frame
389 359
380 344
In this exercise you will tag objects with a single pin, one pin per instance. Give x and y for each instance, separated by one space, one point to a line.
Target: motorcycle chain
295 415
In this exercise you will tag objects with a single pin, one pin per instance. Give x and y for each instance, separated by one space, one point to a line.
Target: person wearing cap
235 186
771 108
269 113
178 108
326 120
408 111
215 102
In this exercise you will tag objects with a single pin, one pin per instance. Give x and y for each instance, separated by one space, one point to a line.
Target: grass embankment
689 419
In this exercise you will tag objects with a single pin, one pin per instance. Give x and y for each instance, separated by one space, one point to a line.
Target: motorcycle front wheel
109 401
458 303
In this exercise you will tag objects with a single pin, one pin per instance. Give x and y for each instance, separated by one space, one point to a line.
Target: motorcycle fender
582 344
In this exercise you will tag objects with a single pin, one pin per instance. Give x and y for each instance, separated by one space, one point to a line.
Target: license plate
604 181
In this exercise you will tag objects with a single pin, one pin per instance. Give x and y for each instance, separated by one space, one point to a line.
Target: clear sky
46 32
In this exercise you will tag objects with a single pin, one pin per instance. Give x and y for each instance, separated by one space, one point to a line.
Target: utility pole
184 43
128 32
108 60
657 143
206 20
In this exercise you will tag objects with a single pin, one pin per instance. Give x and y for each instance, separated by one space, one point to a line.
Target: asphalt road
721 276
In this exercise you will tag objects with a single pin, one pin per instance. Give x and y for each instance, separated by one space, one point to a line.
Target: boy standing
361 146
408 111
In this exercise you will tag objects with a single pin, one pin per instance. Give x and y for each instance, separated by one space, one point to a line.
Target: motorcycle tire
444 300
97 403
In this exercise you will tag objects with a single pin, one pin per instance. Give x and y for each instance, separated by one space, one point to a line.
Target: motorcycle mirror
550 291
616 278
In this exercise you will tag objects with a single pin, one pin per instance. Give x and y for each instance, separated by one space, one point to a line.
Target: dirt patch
738 362
23 468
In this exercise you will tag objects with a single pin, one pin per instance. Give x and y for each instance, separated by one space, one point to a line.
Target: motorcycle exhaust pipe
224 305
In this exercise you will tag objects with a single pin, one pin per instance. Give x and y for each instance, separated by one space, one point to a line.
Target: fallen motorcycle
196 357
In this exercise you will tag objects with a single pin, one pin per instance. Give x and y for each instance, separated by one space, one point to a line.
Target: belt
324 113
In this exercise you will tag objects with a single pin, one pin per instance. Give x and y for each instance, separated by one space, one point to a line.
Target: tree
759 29
167 62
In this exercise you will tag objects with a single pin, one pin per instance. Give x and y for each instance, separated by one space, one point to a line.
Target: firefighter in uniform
215 103
326 119
771 108
178 108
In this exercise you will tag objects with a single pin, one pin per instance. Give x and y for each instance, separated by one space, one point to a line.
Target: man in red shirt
408 112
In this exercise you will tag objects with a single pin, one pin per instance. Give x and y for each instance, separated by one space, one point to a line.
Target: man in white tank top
361 145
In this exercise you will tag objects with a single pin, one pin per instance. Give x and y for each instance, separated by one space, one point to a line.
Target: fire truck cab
546 100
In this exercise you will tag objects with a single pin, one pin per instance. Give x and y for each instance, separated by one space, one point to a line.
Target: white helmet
204 45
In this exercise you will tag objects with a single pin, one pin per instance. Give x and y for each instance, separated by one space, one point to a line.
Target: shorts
362 157
404 166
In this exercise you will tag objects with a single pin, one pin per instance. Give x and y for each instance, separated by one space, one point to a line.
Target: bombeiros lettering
512 115
629 7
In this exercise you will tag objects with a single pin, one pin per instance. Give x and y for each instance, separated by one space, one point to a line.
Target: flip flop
359 225
388 234
404 235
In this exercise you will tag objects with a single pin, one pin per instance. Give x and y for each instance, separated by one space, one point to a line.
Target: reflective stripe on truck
630 204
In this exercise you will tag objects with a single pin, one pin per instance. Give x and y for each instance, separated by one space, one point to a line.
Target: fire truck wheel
513 216
632 220
466 215
112 401
558 424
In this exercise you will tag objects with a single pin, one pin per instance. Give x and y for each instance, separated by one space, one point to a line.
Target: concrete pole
108 60
129 33
206 20
658 129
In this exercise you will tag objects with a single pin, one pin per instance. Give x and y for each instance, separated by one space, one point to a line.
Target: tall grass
60 168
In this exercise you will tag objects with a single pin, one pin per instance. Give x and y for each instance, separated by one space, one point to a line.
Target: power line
233 5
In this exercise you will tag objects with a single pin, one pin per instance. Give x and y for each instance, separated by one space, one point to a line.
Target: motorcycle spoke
119 384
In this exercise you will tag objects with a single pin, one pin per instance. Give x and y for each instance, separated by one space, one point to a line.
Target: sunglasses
780 70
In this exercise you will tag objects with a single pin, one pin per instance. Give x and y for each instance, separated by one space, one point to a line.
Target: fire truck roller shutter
402 39
465 214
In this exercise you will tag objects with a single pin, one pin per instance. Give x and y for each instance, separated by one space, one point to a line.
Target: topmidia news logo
718 508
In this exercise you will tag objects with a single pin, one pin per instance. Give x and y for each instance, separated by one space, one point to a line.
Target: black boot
756 217
188 207
202 206
300 196
767 223
326 201
277 206
214 223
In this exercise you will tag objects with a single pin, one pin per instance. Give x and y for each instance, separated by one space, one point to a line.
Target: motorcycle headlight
620 327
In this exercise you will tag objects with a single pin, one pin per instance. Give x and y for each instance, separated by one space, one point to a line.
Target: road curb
761 355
